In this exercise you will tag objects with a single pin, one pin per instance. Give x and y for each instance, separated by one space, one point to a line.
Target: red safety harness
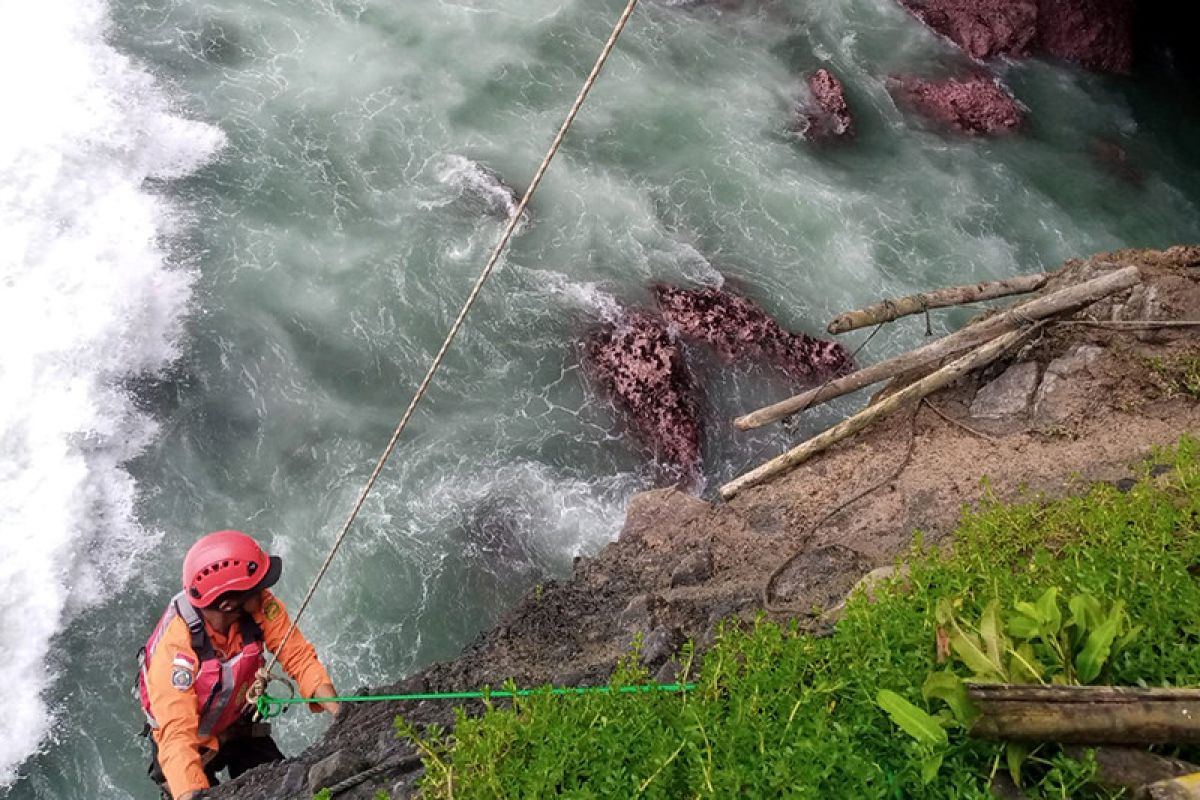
220 685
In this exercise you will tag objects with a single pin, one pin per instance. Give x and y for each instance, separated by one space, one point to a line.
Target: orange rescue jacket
168 678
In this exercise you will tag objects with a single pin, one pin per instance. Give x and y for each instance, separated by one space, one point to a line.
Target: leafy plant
1037 643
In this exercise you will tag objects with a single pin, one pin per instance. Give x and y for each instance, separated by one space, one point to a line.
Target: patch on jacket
181 678
271 609
184 660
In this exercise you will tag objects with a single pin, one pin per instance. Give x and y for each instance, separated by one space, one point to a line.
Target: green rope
269 707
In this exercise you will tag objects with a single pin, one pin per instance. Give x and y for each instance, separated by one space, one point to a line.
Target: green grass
781 714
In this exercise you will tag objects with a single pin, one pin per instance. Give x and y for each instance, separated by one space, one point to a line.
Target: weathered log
1063 300
888 310
1086 714
977 358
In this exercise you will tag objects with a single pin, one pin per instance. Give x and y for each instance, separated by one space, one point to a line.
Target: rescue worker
202 658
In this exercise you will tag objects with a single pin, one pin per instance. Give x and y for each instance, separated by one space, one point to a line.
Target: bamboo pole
1063 300
1086 714
931 383
888 310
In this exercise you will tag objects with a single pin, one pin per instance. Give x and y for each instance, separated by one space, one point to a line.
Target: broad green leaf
1085 612
1022 626
1015 754
930 765
1029 610
1127 638
993 638
1051 614
912 720
1099 644
950 689
1024 666
968 648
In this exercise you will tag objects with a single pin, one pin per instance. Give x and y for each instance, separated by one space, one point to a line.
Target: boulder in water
826 115
982 28
976 106
642 366
481 187
740 331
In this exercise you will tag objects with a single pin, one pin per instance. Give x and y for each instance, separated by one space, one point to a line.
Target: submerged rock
1095 33
643 368
825 115
974 106
982 28
481 187
740 331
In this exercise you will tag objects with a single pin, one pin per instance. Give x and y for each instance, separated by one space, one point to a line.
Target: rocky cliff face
1098 34
1080 403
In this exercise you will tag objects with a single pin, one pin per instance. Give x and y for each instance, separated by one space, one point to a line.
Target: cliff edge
1077 405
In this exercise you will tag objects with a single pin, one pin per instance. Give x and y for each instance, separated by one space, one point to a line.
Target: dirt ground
1104 398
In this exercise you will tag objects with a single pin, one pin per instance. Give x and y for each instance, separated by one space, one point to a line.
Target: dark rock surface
825 115
642 367
982 28
740 331
976 106
1095 33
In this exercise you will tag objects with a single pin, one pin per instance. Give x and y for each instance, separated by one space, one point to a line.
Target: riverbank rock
740 331
1095 33
642 366
982 28
976 106
825 114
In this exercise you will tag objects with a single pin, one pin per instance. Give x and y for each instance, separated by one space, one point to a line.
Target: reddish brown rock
740 331
1095 33
974 106
825 115
642 366
982 28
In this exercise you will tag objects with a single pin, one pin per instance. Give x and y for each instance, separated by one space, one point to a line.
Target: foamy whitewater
234 232
87 299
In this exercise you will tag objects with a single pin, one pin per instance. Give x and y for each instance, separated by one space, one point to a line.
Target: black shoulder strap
195 622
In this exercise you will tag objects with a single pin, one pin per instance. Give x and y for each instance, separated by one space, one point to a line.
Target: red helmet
226 561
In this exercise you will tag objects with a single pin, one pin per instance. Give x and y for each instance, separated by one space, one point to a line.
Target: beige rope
458 322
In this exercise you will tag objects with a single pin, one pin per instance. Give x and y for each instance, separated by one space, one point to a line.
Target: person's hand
327 690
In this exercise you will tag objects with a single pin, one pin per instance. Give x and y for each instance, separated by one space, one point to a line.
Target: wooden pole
1063 300
888 310
931 383
1086 714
